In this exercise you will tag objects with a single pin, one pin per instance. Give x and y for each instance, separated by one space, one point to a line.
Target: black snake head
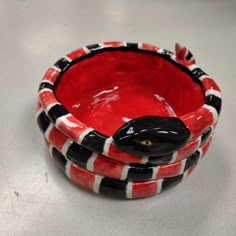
152 136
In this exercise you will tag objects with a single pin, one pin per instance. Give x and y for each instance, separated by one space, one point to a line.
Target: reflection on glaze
168 107
152 136
105 96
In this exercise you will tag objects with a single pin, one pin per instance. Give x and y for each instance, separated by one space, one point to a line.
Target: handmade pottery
127 120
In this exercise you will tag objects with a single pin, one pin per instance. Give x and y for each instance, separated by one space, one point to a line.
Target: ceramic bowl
127 120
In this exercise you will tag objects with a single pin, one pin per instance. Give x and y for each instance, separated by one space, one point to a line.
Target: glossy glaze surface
196 122
152 136
158 150
125 85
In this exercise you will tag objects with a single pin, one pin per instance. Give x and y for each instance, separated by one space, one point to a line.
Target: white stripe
173 57
45 90
155 171
159 185
213 92
144 160
182 166
47 132
140 45
186 53
107 146
83 134
213 111
56 68
101 45
203 77
46 81
65 147
67 58
192 67
96 183
124 44
50 149
199 142
63 119
90 162
51 105
87 51
67 169
201 156
129 188
174 157
160 50
185 174
38 112
124 173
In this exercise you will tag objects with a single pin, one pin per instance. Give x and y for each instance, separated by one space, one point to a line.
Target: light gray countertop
35 197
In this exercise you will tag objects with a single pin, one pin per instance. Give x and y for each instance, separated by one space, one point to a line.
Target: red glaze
108 89
51 75
144 189
108 167
105 166
82 177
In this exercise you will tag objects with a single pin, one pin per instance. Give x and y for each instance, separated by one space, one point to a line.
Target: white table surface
35 197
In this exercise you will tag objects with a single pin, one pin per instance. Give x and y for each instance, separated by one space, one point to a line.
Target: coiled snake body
146 155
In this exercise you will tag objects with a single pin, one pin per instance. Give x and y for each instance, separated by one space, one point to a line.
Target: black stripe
44 85
161 159
192 160
206 134
56 112
167 52
43 122
78 154
59 158
124 48
93 46
214 101
189 56
94 141
132 45
171 182
197 73
140 172
113 187
62 64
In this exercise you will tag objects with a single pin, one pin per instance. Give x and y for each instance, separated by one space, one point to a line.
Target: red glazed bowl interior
110 88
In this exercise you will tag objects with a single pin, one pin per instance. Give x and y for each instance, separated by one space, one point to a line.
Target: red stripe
169 170
82 177
107 167
76 54
198 121
114 44
181 53
189 149
72 127
124 157
144 189
149 47
209 83
57 139
51 75
47 98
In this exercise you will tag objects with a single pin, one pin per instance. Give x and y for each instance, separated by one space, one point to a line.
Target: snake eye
146 142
